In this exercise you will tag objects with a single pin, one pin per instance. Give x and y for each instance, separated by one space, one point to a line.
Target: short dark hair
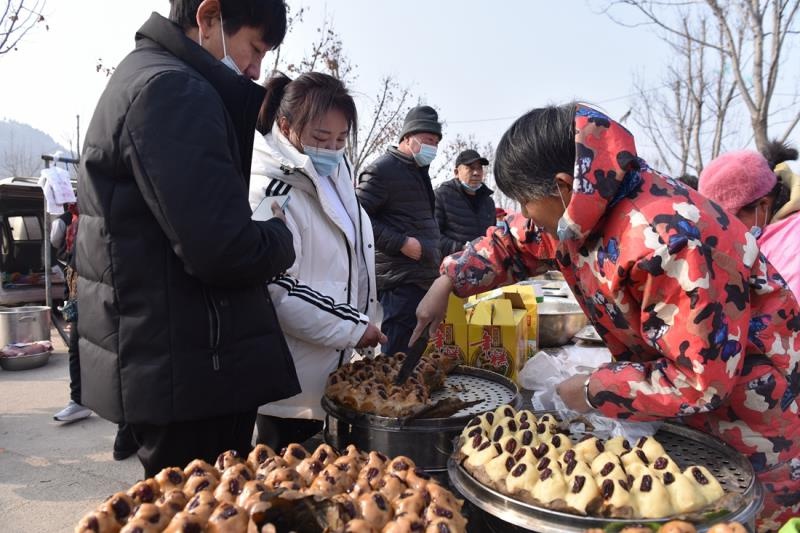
689 180
268 15
537 146
301 100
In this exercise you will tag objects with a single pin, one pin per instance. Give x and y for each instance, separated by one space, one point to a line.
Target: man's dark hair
537 146
268 15
309 96
776 152
688 180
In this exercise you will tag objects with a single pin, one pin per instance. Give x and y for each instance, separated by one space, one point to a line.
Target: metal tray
685 445
25 362
428 441
465 382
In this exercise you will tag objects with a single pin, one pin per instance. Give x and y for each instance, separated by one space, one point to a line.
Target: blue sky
480 63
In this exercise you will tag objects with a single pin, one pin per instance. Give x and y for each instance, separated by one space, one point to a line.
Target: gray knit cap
422 119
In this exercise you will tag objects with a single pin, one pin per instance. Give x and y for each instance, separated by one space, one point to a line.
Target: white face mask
757 230
562 229
226 60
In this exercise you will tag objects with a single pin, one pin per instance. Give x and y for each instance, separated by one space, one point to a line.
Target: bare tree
292 20
754 35
17 19
326 55
384 121
686 117
104 68
17 160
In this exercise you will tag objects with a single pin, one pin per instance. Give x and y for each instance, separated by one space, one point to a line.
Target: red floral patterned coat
701 326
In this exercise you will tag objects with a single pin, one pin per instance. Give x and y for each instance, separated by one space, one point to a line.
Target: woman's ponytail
276 88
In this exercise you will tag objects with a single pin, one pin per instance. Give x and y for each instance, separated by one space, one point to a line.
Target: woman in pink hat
744 184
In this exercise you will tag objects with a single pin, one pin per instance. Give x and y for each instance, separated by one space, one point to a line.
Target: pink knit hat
736 179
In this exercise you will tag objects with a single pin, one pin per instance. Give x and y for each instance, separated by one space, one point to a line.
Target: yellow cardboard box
498 335
528 295
451 336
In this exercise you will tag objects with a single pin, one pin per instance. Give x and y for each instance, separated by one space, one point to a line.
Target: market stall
456 446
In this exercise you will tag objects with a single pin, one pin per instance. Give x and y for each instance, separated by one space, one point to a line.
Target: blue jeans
399 316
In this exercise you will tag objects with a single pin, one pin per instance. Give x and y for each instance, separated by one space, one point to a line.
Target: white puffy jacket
325 300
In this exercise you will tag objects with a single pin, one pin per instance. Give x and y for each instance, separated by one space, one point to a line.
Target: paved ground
51 473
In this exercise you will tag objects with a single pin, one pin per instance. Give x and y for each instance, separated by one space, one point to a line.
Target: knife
413 355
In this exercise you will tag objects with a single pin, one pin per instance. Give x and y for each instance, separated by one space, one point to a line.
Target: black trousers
178 443
277 433
74 365
399 316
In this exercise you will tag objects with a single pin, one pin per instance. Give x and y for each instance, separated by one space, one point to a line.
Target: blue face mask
324 161
426 154
756 230
563 231
469 187
227 60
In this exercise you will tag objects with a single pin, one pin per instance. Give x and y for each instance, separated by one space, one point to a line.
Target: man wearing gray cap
396 192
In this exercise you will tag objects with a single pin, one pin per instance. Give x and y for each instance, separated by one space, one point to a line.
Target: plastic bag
544 371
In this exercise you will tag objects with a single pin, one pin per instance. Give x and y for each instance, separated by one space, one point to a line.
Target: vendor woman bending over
699 324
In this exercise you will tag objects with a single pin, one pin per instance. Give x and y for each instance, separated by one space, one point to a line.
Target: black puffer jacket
176 321
460 220
397 195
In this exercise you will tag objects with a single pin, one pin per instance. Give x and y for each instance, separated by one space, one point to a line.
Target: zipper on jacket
344 236
363 255
349 270
347 247
214 330
360 236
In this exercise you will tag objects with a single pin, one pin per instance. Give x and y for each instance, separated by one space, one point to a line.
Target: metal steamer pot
24 324
427 441
685 445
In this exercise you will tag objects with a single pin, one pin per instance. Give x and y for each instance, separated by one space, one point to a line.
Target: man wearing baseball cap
396 192
464 205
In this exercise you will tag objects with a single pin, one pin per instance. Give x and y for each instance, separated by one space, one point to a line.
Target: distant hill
21 149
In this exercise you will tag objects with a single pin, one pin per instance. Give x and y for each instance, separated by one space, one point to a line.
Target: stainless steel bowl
25 362
559 321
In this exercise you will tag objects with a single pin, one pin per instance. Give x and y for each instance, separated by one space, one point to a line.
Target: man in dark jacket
464 205
178 334
396 192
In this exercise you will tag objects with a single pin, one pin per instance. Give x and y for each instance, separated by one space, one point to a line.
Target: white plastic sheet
543 372
57 188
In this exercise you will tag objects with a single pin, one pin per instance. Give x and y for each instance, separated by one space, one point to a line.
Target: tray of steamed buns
529 470
296 490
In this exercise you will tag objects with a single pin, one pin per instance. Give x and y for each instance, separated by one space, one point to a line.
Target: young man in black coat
396 192
464 205
178 333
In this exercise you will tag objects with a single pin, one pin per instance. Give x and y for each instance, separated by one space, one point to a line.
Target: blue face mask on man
426 154
563 231
226 60
469 187
325 161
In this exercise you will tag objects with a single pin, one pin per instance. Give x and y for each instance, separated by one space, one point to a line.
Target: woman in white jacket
326 302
